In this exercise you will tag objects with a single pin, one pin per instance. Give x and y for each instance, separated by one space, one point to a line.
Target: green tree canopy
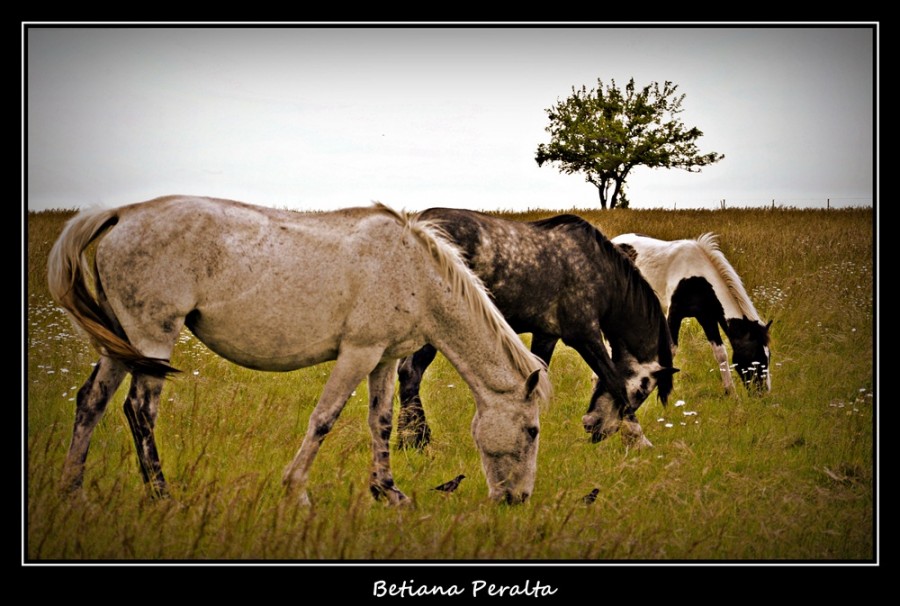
605 132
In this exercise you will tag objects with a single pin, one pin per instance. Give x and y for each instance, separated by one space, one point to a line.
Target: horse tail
67 271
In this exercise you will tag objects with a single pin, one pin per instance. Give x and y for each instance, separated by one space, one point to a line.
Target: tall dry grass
785 477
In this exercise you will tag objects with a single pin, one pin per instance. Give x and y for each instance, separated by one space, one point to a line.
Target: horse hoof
392 495
641 443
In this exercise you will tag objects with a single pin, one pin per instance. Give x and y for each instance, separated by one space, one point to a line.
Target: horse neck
483 362
471 332
729 287
633 316
480 344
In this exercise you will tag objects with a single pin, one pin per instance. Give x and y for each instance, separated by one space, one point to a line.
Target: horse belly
261 345
273 330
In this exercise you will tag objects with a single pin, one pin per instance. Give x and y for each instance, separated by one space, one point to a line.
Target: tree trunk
602 192
615 194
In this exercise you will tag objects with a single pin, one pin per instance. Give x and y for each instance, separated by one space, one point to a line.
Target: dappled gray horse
561 278
279 290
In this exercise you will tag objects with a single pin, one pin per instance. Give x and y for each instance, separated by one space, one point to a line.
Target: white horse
693 279
279 290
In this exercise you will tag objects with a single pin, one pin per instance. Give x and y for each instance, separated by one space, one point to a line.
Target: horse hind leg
90 405
141 409
412 427
381 393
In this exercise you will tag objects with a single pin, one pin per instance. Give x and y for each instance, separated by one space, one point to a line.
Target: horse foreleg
542 345
381 393
141 409
633 434
90 405
350 368
711 330
412 427
721 356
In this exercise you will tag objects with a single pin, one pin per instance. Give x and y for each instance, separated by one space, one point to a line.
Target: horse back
664 264
262 287
534 273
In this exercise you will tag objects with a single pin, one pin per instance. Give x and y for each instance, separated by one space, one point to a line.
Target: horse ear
670 370
531 383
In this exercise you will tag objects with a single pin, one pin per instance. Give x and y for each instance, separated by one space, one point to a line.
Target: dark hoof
392 494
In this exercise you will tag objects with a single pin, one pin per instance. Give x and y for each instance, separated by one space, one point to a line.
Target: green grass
785 477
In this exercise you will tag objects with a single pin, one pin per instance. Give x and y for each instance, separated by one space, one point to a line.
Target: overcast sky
322 118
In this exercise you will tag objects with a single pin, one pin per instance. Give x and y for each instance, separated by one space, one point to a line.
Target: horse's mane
468 286
709 244
640 295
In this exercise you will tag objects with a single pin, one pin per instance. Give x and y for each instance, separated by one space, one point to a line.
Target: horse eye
532 431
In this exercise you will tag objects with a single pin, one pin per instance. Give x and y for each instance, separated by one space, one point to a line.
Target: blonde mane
709 244
468 286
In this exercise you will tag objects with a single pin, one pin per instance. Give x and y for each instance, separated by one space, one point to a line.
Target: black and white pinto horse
694 280
278 290
560 278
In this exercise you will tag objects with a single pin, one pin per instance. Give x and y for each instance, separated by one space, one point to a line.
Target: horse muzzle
597 428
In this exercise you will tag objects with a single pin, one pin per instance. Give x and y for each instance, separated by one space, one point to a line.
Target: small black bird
451 485
591 496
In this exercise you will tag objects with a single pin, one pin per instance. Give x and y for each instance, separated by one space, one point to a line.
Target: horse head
506 431
641 353
606 411
750 353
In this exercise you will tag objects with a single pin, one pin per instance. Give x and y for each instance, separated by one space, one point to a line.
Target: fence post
827 203
773 203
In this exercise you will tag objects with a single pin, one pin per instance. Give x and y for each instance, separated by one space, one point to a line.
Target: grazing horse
695 280
560 278
278 290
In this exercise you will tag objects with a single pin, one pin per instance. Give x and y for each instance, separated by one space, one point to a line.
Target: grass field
786 477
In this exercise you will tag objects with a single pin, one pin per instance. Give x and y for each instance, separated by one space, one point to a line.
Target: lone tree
604 133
